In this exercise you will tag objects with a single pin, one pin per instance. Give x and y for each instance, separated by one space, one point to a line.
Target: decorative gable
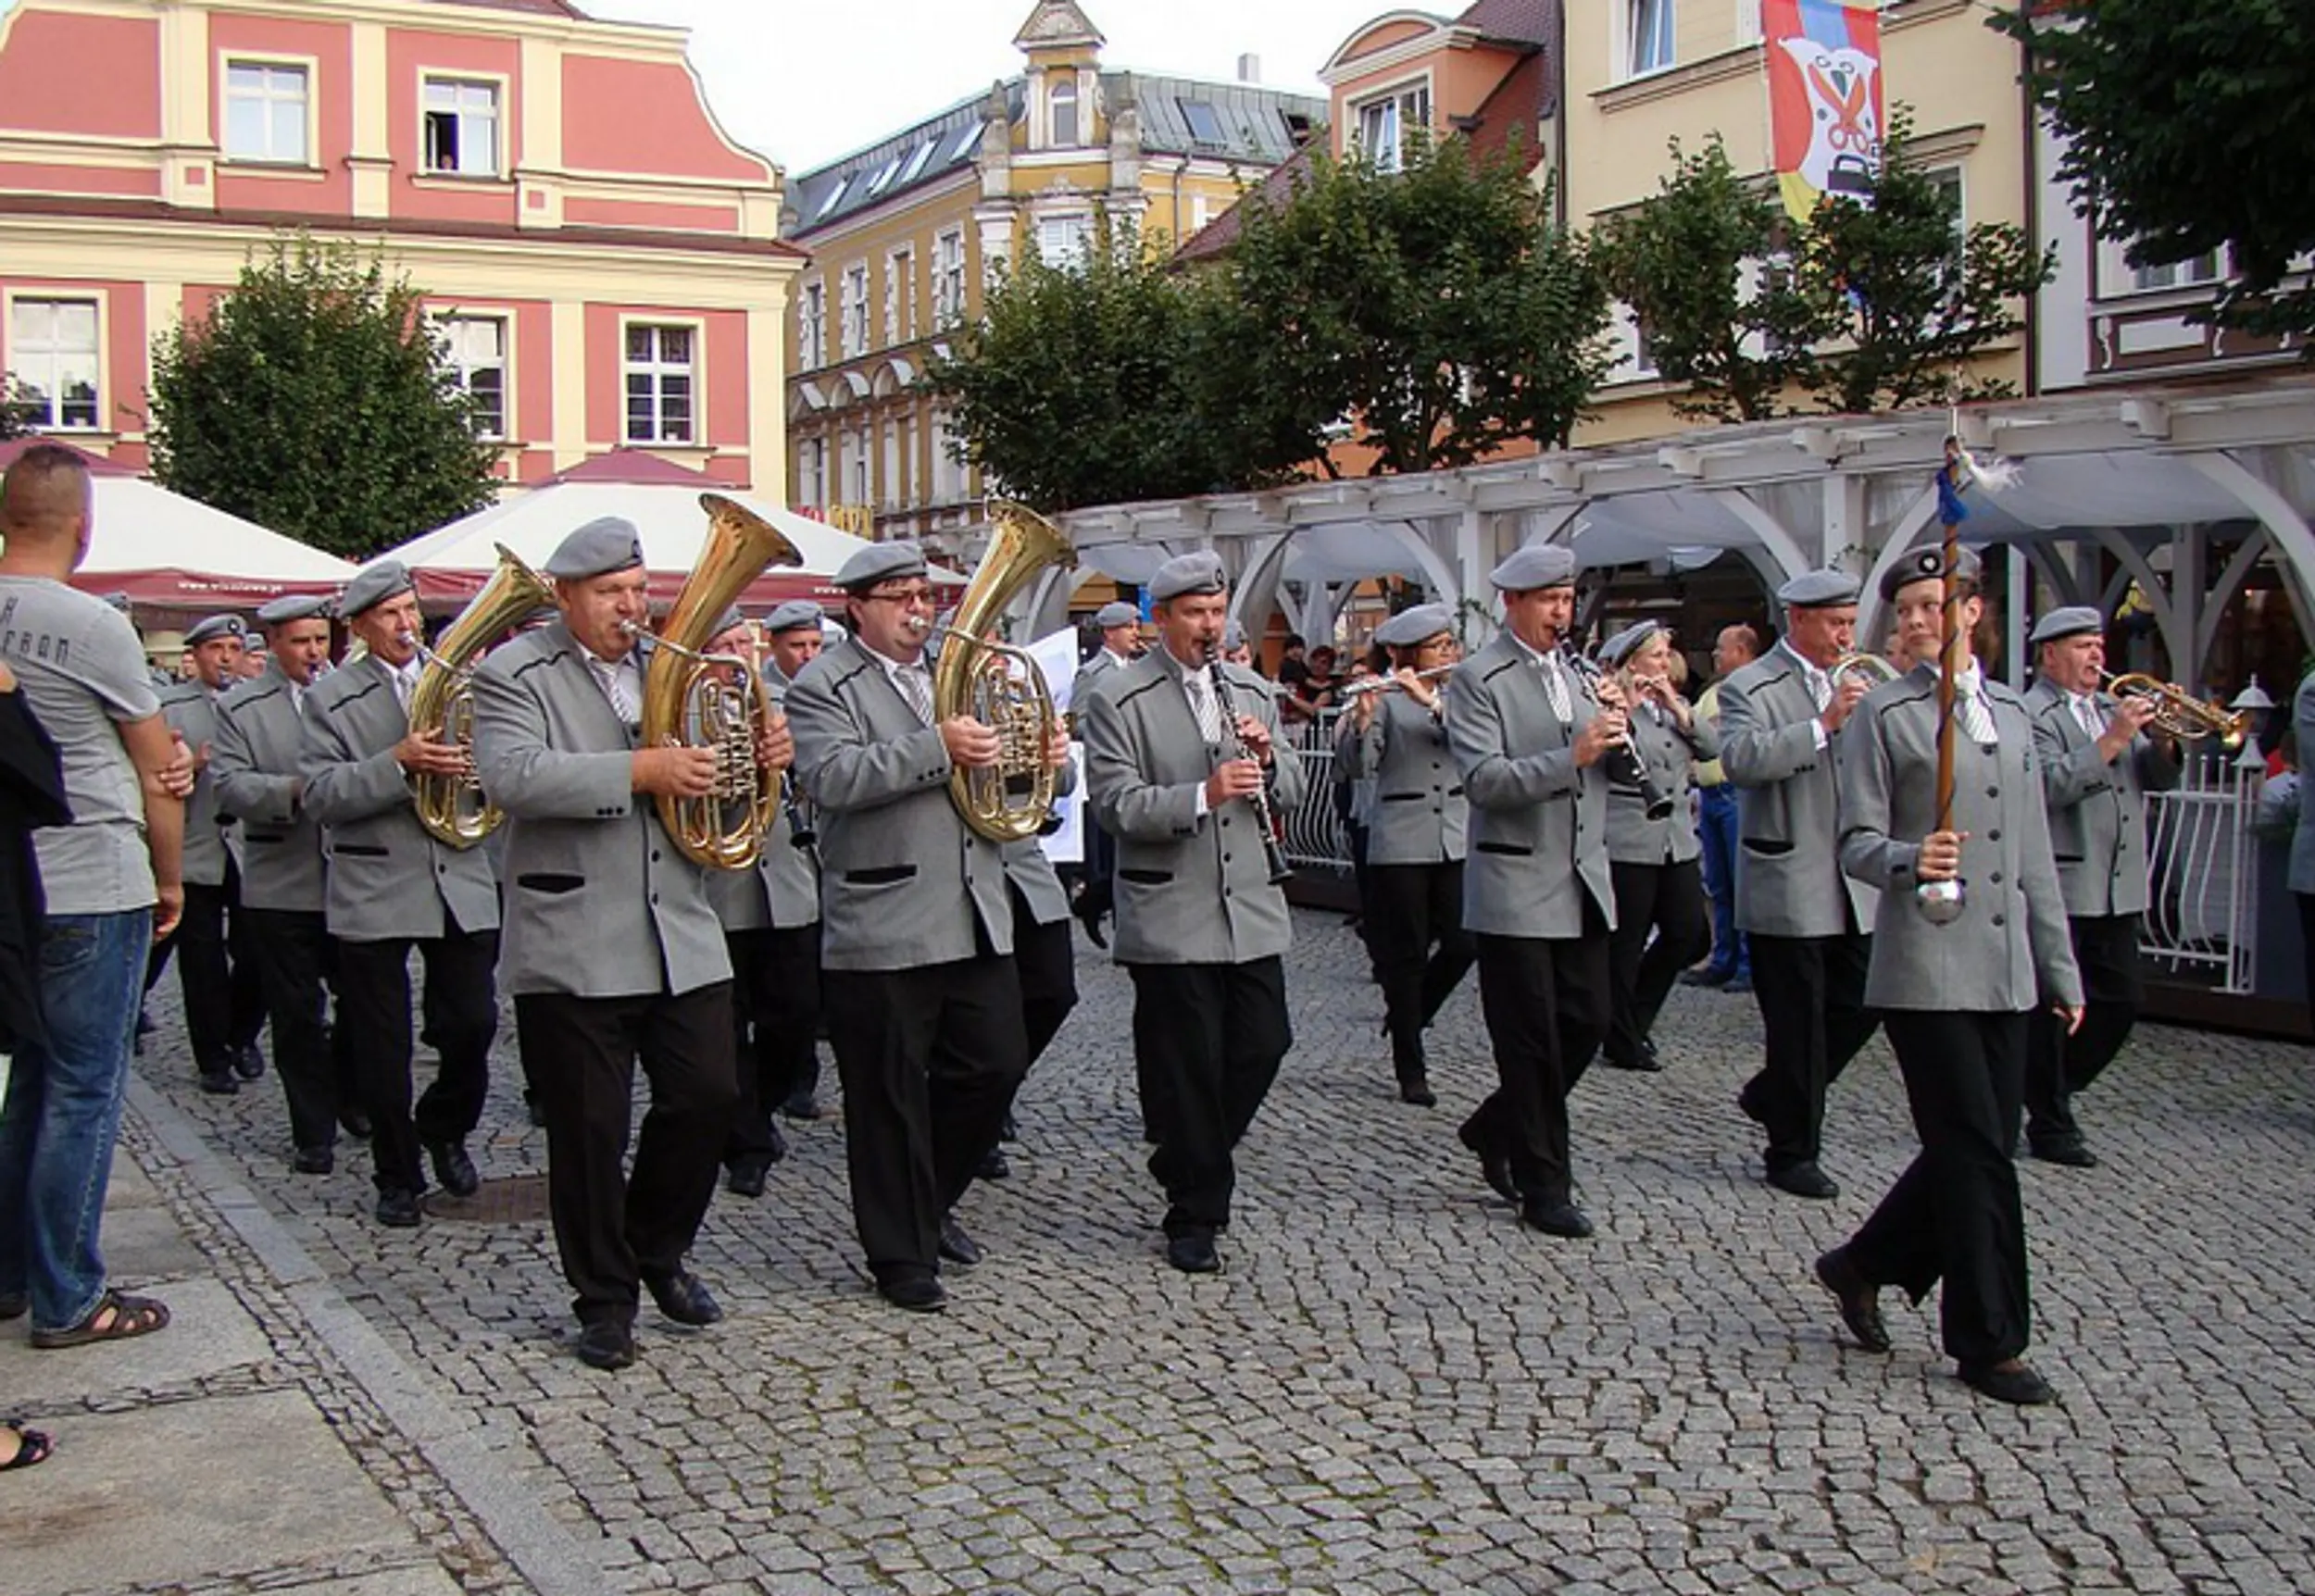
1057 25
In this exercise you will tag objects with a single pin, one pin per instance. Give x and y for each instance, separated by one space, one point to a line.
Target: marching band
1533 816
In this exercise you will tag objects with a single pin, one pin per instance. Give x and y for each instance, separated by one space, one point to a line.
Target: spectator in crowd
1729 966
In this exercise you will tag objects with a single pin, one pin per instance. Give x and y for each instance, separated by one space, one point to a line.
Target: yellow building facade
903 234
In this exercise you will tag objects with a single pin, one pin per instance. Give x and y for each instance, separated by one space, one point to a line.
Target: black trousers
1211 1038
217 971
461 1010
1098 896
1811 992
929 1058
1955 1214
296 962
1670 901
1545 1002
1047 961
775 1029
1414 918
612 1228
2058 1066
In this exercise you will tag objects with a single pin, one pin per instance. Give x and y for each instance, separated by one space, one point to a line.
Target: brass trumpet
2178 713
1870 669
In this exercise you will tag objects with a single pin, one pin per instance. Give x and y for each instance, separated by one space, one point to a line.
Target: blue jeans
62 1111
1716 808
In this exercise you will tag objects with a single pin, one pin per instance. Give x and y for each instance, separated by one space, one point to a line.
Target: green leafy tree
1910 296
2187 133
314 400
1435 308
1700 264
17 408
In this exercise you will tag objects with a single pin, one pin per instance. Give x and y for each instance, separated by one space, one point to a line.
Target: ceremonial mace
1940 901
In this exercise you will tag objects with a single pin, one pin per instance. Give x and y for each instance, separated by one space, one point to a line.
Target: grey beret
1927 564
1536 566
1627 643
729 619
118 600
1417 624
796 615
293 606
606 544
881 562
373 585
216 626
1234 634
2070 621
1117 612
1819 590
1196 572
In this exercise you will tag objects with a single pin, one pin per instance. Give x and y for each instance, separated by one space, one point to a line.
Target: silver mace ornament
1940 902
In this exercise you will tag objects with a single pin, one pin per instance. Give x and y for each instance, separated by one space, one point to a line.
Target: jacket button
655 897
1993 793
1998 920
1225 892
655 855
1992 836
1997 877
1225 858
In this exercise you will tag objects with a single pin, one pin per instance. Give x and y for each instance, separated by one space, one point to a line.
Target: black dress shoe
994 1166
919 1293
248 1062
2072 1155
1749 1104
684 1298
1554 1216
1706 976
355 1123
606 1345
1415 1088
779 1148
801 1105
453 1169
399 1209
1193 1252
1803 1180
1093 927
533 1110
220 1082
1861 1303
1496 1169
956 1246
745 1178
1650 1060
314 1161
2012 1382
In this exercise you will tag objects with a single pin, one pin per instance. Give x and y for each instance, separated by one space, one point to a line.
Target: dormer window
1063 106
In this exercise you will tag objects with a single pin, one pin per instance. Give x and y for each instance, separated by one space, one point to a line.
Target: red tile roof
1516 21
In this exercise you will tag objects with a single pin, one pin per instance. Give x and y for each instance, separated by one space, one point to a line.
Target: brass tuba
453 809
1002 686
694 698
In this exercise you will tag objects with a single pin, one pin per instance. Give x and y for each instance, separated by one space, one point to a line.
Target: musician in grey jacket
257 764
1396 735
1955 993
1529 737
1185 767
916 933
771 918
1119 623
216 965
2100 758
610 946
392 886
1807 926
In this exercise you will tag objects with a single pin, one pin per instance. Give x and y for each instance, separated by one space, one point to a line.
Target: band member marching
923 1001
1530 739
611 948
1808 927
1186 770
1120 627
1397 733
392 886
1952 802
217 963
2099 760
771 918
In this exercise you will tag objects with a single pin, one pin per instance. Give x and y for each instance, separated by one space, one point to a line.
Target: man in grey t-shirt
112 879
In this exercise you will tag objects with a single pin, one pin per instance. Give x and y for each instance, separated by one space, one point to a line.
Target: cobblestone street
1392 1387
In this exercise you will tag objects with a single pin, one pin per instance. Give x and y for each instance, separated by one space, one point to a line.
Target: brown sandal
131 1317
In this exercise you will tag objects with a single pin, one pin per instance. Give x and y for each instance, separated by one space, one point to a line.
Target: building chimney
1250 68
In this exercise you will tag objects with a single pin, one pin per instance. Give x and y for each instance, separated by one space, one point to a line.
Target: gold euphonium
1002 686
453 809
694 698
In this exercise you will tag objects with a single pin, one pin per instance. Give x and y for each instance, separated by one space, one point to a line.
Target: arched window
1063 106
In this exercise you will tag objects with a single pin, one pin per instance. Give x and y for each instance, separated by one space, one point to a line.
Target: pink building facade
601 259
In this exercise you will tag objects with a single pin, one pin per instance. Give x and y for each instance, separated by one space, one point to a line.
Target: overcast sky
804 81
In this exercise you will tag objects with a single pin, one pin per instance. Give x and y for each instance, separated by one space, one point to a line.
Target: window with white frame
900 296
852 331
2202 270
1748 25
811 327
474 350
811 474
461 126
948 471
1386 124
860 482
1649 33
1062 241
54 356
662 382
265 112
948 279
1062 105
893 494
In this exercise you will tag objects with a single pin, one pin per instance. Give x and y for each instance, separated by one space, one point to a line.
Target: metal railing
2202 897
1316 838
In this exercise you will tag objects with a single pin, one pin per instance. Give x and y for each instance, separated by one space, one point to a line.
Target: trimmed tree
314 400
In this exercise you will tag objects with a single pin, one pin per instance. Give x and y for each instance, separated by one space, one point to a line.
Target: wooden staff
1941 901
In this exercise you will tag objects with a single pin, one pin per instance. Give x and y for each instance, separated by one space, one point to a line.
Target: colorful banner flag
1825 116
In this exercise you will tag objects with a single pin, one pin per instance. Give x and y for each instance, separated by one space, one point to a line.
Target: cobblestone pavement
1392 1387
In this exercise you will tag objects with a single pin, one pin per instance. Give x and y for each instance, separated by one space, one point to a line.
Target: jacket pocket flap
879 875
1145 878
1769 845
358 850
545 881
1405 797
1512 850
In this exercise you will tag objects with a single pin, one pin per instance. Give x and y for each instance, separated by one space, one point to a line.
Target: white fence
2202 912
